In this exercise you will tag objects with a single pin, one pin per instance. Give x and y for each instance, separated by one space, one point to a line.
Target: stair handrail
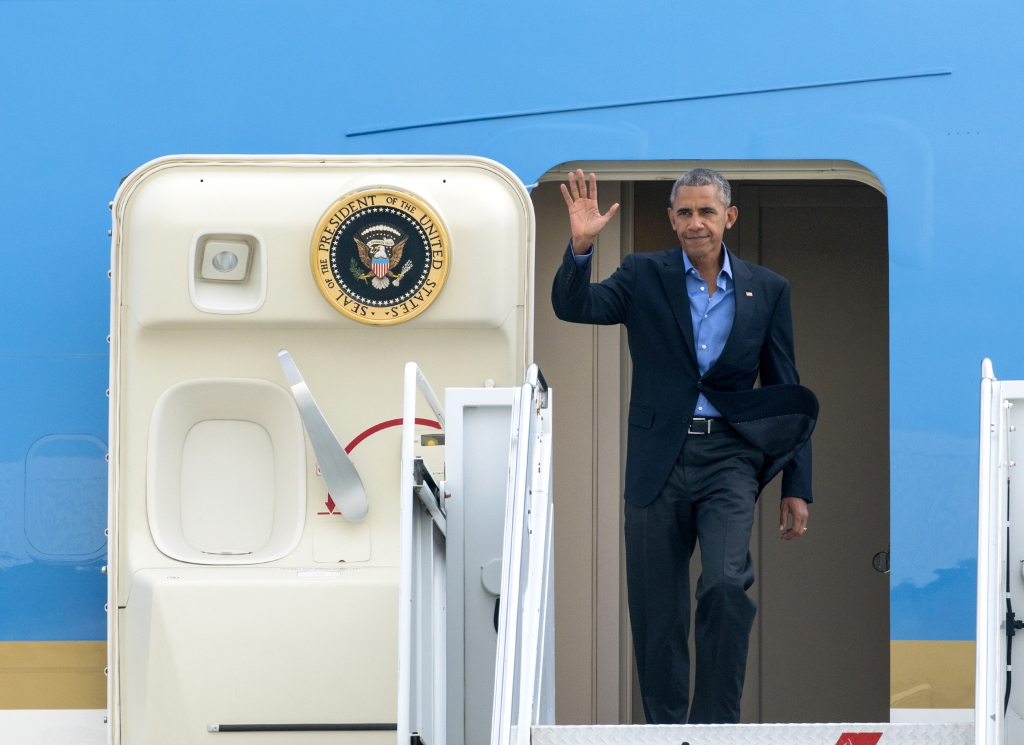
414 381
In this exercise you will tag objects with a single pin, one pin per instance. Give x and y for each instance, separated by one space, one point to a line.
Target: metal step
762 734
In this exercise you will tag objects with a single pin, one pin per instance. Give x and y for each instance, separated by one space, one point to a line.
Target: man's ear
672 218
731 215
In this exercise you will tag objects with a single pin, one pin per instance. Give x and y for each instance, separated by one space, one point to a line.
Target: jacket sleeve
576 299
778 365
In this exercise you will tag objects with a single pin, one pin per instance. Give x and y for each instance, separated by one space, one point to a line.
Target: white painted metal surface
738 734
421 621
990 678
54 727
999 693
931 716
477 438
999 689
524 692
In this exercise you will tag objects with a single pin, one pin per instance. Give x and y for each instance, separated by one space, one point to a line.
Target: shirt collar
726 265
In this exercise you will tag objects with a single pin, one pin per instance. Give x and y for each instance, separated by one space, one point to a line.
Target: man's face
700 220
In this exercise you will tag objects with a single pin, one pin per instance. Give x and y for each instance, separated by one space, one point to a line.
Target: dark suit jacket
648 295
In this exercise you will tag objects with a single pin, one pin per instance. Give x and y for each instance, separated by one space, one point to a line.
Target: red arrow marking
374 430
384 425
859 738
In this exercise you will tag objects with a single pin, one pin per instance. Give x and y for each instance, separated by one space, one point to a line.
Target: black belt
703 426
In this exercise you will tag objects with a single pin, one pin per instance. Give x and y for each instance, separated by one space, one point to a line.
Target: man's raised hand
585 217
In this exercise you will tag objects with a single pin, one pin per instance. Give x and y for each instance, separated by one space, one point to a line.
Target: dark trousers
708 498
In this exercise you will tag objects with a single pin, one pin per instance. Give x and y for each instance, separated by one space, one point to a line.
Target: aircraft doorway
820 646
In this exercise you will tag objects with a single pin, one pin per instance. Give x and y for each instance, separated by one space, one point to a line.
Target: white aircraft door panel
478 435
999 693
524 692
217 263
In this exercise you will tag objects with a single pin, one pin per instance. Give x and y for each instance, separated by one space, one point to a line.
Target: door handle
880 562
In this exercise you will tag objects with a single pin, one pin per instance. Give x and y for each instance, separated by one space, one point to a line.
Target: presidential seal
380 256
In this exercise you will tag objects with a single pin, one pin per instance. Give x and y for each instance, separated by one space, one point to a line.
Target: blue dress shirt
712 317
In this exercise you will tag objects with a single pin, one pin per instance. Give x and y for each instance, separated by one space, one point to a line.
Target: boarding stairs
523 702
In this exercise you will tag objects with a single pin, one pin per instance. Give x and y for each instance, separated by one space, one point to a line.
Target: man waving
703 442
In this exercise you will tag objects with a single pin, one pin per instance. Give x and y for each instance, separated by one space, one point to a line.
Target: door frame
614 685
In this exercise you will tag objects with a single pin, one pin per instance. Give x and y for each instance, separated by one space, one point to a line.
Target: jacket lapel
741 284
673 278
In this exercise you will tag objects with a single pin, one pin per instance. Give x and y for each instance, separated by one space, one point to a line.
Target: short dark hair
703 177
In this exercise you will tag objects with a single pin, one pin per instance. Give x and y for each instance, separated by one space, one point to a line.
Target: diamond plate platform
761 734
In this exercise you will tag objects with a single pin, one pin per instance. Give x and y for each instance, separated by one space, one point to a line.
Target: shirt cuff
582 259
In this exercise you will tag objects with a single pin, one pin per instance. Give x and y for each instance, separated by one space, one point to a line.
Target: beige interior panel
831 243
565 352
734 170
177 202
322 613
220 646
585 364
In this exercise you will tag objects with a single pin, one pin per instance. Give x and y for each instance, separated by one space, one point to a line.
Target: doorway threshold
958 733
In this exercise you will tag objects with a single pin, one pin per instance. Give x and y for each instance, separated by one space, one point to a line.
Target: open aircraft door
305 543
999 692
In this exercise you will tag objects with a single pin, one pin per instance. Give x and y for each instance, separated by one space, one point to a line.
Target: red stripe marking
859 738
397 422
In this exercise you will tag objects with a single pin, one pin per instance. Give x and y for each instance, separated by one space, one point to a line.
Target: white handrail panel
421 586
524 678
338 471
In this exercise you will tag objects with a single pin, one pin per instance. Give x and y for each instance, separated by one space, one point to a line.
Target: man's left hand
796 507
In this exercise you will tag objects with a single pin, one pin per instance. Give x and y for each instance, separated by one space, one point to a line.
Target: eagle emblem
380 255
380 250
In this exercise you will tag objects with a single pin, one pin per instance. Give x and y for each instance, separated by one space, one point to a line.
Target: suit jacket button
699 384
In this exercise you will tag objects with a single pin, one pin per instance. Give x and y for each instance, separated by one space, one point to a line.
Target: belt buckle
706 429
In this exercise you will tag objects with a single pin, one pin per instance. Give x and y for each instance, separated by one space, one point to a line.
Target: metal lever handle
536 378
340 475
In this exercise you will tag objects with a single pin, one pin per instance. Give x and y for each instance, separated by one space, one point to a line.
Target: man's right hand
585 216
